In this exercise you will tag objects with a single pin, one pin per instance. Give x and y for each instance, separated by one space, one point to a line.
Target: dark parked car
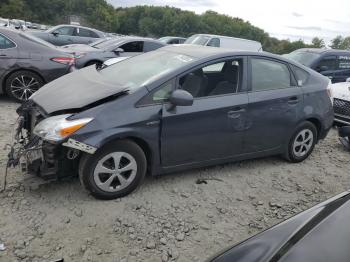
112 48
319 234
335 64
172 109
172 40
27 63
69 34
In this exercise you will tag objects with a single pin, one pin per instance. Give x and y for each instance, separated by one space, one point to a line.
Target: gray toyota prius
172 109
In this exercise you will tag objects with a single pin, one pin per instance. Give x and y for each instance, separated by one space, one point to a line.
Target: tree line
152 21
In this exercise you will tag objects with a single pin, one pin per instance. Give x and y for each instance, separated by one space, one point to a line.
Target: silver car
69 34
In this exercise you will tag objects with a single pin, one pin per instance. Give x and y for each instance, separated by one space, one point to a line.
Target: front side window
5 43
220 78
215 42
327 63
66 30
133 47
268 74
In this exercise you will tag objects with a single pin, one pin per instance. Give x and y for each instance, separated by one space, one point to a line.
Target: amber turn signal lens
70 130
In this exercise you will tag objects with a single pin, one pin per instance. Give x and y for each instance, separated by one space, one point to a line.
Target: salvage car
319 234
341 102
69 34
27 63
113 48
335 64
178 107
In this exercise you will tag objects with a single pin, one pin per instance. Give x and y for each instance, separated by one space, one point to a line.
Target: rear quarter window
300 74
5 43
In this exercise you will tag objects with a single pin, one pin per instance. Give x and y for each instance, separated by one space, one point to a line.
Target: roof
199 51
323 50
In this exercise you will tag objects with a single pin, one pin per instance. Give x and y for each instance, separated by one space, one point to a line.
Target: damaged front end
344 136
38 149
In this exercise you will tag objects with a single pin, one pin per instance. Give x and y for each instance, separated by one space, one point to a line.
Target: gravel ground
169 218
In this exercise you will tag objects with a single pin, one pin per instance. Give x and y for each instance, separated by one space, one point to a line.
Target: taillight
329 91
64 60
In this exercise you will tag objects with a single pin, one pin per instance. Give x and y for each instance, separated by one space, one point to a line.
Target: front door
274 105
213 127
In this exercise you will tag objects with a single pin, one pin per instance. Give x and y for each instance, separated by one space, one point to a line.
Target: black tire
98 64
89 163
22 84
291 153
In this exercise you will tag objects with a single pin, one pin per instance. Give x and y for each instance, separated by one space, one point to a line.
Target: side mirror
119 51
181 97
55 33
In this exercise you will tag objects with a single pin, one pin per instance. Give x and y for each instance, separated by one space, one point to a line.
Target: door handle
293 100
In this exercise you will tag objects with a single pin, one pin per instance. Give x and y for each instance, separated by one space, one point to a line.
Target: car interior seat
230 82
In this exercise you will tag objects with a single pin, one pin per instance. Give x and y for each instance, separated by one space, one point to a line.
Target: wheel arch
317 123
8 74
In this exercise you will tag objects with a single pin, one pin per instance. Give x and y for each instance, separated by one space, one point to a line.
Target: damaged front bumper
48 160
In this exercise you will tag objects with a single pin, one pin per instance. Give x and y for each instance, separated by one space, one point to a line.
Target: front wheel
113 171
302 142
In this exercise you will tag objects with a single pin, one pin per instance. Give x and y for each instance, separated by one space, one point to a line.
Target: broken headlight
57 128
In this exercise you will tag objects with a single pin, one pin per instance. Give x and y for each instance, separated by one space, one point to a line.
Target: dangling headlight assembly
57 128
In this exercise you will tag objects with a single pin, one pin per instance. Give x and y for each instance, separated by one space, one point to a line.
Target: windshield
36 40
303 57
108 43
137 71
197 40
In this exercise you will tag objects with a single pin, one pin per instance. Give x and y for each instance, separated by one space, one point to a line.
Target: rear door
8 54
85 36
275 104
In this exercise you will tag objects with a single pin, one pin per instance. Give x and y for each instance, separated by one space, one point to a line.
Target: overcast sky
291 19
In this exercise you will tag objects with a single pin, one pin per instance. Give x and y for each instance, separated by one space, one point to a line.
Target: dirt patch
168 218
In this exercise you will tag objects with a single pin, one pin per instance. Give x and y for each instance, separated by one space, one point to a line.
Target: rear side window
344 62
214 42
5 43
301 75
83 32
136 46
268 75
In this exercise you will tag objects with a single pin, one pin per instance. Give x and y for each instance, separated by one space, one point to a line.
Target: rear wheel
302 142
113 171
22 84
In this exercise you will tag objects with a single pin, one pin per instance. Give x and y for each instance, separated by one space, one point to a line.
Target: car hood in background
341 90
74 91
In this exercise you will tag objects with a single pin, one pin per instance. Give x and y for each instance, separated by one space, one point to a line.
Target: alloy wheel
303 142
115 171
22 87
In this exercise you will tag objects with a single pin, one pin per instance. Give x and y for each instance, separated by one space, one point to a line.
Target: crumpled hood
74 91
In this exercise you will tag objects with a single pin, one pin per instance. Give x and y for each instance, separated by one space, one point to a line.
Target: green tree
336 43
318 42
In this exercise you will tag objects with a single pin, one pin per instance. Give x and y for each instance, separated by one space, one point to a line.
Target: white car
341 102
